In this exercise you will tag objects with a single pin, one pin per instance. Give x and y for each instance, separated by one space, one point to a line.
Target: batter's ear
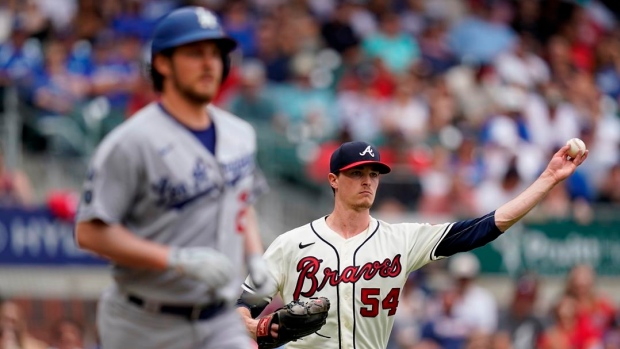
162 64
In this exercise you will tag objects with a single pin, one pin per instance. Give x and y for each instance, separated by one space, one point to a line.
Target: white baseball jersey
362 276
152 175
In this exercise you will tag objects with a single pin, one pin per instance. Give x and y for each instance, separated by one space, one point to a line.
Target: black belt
191 313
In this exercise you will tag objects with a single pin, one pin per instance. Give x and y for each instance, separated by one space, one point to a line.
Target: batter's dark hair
156 77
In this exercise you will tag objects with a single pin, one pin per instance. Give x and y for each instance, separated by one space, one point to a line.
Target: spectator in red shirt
593 310
566 332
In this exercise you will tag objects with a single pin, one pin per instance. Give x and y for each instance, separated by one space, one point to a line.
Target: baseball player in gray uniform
361 263
168 200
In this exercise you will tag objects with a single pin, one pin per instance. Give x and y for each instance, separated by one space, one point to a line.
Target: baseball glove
296 319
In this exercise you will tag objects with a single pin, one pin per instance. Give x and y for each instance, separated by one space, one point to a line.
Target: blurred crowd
458 313
467 99
64 333
440 308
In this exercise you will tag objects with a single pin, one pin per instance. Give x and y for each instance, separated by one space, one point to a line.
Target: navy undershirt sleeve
255 306
468 235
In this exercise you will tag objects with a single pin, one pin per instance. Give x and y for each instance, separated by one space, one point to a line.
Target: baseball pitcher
360 264
168 200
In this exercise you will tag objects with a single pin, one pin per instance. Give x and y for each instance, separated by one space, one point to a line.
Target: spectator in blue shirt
445 330
116 71
241 26
20 58
277 63
608 70
58 91
480 37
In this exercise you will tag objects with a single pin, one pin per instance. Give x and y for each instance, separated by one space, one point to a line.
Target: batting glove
263 282
205 264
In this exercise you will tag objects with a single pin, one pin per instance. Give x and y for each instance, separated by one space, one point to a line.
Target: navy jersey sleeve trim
467 235
434 255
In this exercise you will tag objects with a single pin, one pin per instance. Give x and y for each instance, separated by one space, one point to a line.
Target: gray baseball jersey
362 276
153 176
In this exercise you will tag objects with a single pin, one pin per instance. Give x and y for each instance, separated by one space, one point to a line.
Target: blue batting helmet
191 24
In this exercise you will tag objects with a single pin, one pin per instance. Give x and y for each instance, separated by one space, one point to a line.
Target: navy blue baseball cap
353 154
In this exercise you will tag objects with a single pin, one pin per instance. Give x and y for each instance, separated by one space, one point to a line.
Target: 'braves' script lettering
308 267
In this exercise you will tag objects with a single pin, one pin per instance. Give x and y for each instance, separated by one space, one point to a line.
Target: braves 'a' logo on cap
368 150
206 19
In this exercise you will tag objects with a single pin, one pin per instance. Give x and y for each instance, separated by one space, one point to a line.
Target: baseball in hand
576 146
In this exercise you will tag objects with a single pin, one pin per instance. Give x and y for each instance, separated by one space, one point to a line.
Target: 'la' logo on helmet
206 19
368 150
